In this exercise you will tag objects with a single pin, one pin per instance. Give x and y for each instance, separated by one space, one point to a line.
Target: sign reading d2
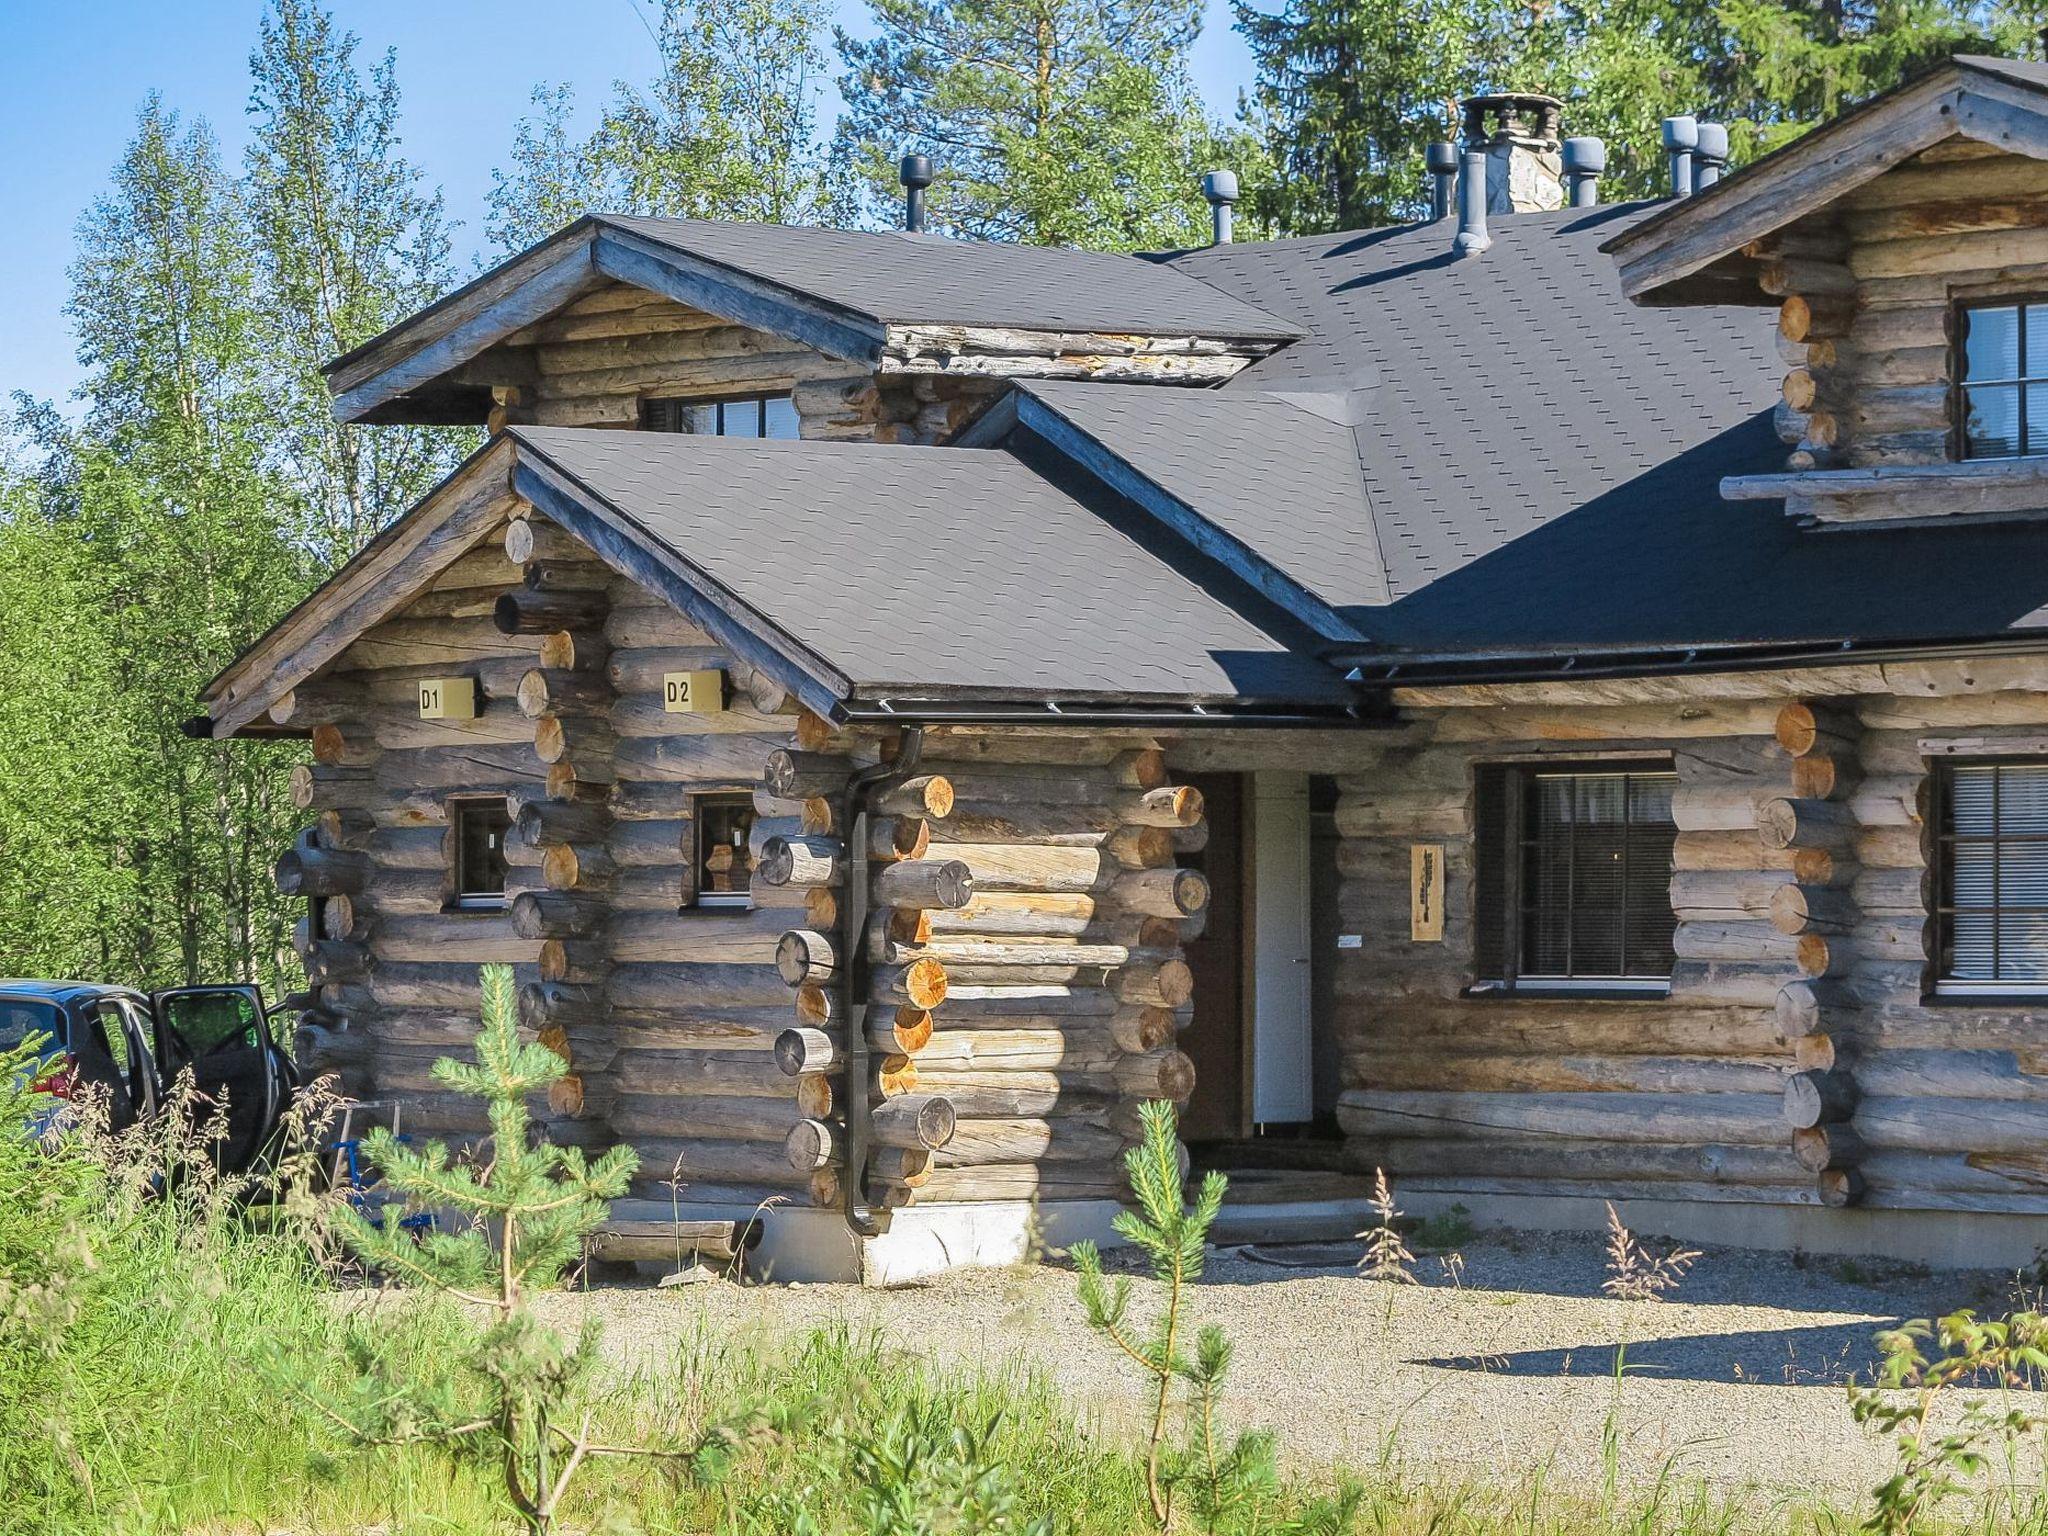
693 693
447 698
1426 892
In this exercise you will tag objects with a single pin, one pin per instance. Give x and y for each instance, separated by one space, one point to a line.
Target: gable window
733 416
1993 861
2002 380
478 851
1575 872
722 864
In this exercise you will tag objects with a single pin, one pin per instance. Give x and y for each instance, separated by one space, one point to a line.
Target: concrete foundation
814 1246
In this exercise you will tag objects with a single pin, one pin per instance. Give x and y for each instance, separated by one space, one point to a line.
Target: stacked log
1049 901
392 972
1815 828
562 904
1532 1094
811 854
695 1002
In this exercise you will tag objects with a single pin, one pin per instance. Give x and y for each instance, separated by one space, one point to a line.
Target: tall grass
135 1331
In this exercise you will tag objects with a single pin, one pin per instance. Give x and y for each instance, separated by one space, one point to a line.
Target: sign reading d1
447 698
693 693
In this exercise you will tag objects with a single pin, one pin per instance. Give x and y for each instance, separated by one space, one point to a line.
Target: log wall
1799 1056
1868 288
1025 935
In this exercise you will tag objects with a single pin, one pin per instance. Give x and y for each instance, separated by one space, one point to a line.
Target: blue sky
72 75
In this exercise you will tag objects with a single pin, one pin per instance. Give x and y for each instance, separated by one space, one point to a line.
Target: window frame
1941 862
652 405
695 897
1515 782
1960 384
459 899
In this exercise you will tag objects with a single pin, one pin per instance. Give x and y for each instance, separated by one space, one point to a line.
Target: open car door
223 1037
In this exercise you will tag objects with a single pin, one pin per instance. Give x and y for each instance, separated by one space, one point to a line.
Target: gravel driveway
1504 1367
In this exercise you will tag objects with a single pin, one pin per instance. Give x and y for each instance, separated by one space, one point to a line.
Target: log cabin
1549 701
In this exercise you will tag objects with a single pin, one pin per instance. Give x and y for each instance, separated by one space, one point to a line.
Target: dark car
134 1044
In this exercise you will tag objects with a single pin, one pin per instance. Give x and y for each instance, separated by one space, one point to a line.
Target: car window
109 1035
213 1021
21 1019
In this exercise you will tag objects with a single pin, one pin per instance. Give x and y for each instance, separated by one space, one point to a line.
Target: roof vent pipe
1442 159
1584 161
1710 157
1681 137
1472 235
916 173
1220 188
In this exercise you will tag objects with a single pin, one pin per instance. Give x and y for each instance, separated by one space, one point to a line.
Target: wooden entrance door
1217 1038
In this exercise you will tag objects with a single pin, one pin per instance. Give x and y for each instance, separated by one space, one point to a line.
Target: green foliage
1055 122
728 128
519 1221
1936 1462
1224 1486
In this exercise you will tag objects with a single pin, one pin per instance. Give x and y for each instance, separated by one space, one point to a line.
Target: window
2002 379
745 416
479 875
722 867
1993 857
1575 867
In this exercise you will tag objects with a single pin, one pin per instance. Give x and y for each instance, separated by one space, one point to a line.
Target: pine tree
1056 122
513 1401
349 242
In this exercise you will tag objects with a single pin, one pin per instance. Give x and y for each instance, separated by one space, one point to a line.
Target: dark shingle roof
928 570
900 278
1542 459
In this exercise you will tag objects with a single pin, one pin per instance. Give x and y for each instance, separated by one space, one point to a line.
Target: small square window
722 865
479 848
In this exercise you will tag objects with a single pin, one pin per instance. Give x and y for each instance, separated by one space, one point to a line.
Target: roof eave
1956 97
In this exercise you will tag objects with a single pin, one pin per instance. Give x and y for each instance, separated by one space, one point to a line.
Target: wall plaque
1426 892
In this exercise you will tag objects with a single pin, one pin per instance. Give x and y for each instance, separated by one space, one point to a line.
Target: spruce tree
1056 122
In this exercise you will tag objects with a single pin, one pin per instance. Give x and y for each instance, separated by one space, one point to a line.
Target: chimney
916 174
1472 237
1442 159
1710 155
1517 132
1681 137
1220 188
1584 161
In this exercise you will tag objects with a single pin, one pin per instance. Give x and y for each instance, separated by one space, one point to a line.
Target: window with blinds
1576 877
738 416
1993 906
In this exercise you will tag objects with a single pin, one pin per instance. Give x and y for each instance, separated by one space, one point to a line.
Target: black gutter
859 970
1383 671
894 712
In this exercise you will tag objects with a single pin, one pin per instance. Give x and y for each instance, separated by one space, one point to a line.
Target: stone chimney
1520 134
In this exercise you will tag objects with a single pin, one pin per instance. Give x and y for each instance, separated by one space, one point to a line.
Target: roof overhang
1693 250
415 371
448 522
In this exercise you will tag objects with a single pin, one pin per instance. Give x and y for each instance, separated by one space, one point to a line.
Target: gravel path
1504 1367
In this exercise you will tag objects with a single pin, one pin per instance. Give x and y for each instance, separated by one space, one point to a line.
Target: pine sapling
520 1219
1173 1236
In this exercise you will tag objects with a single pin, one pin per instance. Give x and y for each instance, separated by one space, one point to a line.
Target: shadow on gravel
1785 1357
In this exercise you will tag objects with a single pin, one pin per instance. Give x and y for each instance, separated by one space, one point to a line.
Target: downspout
860 789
